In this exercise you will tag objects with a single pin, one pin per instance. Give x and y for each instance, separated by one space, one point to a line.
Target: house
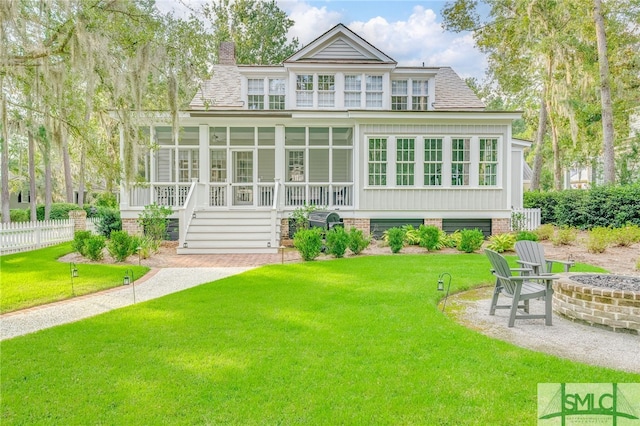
339 125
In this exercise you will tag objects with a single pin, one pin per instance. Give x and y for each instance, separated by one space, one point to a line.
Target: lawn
348 341
36 277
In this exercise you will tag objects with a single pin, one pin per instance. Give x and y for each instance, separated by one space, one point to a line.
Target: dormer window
420 95
399 95
276 93
255 88
374 91
304 90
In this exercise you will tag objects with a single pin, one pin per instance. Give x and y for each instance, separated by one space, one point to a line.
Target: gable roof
340 44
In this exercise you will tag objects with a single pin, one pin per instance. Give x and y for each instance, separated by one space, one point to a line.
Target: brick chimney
227 53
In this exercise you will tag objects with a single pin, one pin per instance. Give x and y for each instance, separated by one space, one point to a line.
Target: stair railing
186 213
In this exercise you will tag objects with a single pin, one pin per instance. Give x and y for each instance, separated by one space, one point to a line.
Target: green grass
348 341
36 277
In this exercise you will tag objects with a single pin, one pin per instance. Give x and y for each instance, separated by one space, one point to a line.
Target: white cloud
310 21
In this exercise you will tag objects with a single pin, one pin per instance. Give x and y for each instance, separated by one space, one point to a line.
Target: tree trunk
5 156
557 168
32 176
542 129
66 161
81 177
605 95
45 148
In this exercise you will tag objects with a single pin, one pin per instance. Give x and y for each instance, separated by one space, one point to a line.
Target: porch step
241 231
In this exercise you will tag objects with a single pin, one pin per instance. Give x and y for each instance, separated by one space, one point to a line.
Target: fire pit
604 300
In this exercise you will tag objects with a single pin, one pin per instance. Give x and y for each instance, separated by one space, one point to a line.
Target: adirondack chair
531 255
520 288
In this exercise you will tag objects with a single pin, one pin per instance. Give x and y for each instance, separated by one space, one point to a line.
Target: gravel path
565 338
157 283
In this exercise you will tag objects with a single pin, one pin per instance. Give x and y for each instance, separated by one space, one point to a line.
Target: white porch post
280 171
204 160
124 185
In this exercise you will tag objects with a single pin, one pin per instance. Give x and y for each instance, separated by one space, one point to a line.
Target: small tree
153 220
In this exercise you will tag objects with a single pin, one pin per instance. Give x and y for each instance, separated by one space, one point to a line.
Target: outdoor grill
324 219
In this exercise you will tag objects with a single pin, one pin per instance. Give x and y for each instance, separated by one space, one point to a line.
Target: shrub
429 237
564 236
470 240
120 245
143 246
454 238
545 232
79 239
308 242
300 217
526 236
626 235
93 247
502 242
518 221
598 239
357 241
19 215
58 211
337 240
108 221
411 235
395 238
153 220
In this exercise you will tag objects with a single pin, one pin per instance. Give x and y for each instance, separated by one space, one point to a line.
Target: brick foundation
433 222
131 226
500 226
616 310
362 224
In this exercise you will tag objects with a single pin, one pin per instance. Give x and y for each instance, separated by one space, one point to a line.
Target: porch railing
327 195
525 219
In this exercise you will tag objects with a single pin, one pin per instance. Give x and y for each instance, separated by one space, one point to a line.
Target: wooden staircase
230 232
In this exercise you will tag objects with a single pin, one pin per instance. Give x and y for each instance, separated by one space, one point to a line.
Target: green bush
501 242
337 240
58 211
453 239
605 205
19 215
143 246
411 235
526 235
108 221
518 221
395 238
153 220
626 236
308 242
93 247
79 239
598 239
564 236
120 245
545 232
357 241
470 240
429 237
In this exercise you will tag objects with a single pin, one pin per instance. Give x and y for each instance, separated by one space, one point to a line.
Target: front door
242 182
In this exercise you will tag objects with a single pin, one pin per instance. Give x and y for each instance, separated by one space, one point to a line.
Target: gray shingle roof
222 91
452 93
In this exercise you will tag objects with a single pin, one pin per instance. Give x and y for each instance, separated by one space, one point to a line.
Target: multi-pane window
187 164
378 161
352 90
460 161
304 90
218 161
419 95
276 93
488 162
432 161
295 165
399 94
326 90
255 91
373 91
405 161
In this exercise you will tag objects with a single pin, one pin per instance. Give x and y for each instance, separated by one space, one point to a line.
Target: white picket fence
23 236
525 219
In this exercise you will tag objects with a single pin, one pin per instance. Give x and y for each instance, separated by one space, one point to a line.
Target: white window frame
400 95
255 93
405 161
377 158
433 177
488 161
374 91
355 90
305 85
461 173
419 94
277 93
326 90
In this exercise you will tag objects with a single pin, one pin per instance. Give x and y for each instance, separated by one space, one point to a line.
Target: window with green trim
377 161
405 161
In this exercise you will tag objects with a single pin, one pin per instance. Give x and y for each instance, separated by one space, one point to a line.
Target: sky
409 31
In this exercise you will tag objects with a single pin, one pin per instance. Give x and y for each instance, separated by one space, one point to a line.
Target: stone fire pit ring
603 300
